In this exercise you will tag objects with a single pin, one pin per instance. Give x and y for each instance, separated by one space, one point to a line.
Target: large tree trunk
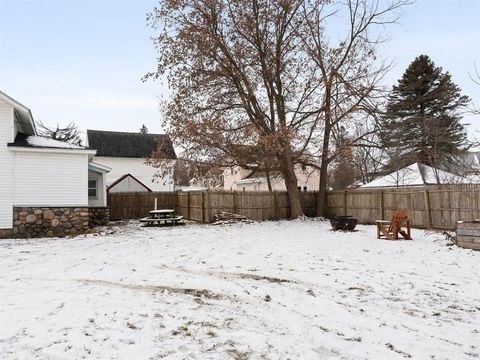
291 183
269 181
322 190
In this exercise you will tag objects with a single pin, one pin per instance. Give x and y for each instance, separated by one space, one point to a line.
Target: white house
43 183
125 153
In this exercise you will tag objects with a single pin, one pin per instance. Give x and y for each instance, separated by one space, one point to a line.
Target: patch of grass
238 355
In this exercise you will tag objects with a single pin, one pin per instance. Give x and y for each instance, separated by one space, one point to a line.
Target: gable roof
129 145
120 179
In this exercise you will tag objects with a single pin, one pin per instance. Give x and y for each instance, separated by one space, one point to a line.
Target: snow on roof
39 141
418 175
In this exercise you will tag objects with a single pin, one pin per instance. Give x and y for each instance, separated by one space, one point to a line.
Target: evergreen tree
422 121
143 130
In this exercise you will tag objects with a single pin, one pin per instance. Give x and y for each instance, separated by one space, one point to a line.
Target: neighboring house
238 178
419 174
211 179
125 153
45 186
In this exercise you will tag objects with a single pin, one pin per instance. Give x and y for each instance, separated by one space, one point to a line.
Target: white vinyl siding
6 178
50 179
137 168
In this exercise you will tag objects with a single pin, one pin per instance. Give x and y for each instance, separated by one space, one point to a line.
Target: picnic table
167 216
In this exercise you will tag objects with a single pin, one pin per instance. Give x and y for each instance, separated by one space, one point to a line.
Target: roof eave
17 148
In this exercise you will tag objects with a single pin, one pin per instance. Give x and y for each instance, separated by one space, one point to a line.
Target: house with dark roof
44 183
125 154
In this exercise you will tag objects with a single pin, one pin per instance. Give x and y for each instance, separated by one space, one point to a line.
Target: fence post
208 206
382 206
203 207
275 204
188 206
345 202
427 208
315 203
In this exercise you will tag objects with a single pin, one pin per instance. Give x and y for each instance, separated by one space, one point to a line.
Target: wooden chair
391 230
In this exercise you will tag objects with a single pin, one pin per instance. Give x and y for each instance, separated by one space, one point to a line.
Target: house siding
137 168
50 179
308 179
6 178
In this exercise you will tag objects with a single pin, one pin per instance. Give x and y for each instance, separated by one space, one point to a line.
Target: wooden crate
468 234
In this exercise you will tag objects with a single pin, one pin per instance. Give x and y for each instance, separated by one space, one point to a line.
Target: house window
304 167
304 188
92 188
299 188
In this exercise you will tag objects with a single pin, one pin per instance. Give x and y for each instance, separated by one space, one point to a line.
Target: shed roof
130 145
419 174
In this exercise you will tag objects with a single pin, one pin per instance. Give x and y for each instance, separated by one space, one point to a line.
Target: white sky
83 60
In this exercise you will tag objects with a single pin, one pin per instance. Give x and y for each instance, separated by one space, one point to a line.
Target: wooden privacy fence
431 207
202 206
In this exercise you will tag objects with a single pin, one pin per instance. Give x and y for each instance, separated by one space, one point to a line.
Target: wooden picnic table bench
163 215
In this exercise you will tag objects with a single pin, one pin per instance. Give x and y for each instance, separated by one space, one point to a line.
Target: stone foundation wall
31 222
99 216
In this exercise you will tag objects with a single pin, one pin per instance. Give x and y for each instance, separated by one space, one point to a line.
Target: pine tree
422 121
143 130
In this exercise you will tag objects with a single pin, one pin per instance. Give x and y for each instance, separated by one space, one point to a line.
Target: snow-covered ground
274 290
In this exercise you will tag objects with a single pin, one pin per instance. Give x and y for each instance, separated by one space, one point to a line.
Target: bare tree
69 134
369 158
265 73
239 75
347 66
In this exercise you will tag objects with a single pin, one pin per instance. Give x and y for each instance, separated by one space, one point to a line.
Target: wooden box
468 234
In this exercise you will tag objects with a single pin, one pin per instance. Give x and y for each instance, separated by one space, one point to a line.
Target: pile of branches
223 218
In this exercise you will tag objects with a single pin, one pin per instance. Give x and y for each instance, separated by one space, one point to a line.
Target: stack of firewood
224 217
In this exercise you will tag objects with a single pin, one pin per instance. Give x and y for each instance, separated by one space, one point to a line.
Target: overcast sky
83 60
